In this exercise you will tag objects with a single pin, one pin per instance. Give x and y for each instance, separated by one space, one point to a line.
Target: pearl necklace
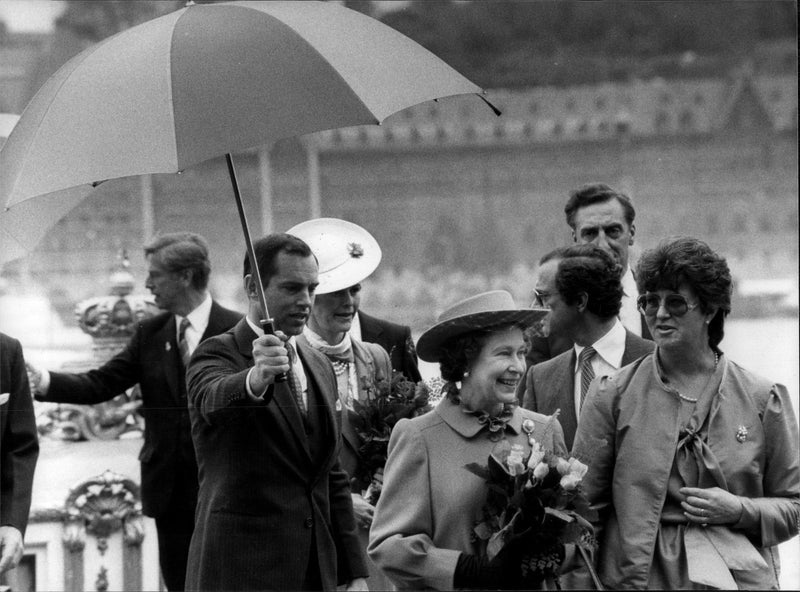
339 368
690 399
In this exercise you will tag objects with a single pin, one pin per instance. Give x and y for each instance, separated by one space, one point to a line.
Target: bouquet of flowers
535 500
388 401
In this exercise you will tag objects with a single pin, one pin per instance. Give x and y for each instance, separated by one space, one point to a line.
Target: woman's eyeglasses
675 304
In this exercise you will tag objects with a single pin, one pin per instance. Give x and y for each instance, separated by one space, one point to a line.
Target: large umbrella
203 81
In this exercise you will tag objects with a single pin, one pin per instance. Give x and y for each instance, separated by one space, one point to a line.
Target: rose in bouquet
535 505
387 402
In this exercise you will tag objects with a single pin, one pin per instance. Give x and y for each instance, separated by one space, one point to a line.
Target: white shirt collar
610 347
199 316
628 312
199 323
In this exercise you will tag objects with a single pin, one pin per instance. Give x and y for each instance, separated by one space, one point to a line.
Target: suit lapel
282 397
168 336
563 390
316 367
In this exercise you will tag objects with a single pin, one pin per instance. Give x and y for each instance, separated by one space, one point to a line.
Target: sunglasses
675 304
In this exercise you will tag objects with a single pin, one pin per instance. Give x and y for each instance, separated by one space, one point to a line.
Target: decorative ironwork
100 507
104 503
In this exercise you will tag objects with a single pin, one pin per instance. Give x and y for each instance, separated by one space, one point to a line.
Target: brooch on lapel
167 346
742 433
527 427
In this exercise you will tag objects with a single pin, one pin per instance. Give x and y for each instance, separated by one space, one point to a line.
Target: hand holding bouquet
534 506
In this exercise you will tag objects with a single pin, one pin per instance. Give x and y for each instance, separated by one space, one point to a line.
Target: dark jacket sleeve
20 444
409 363
120 373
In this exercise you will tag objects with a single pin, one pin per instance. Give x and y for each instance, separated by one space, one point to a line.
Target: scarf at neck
495 423
341 352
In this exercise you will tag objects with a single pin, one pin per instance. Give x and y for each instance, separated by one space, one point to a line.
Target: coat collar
467 425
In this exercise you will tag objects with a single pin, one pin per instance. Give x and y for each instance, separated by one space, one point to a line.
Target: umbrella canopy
213 79
200 82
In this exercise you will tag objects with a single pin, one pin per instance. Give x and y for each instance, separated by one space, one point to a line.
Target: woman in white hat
347 254
422 534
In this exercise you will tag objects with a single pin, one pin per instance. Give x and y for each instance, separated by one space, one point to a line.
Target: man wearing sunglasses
582 288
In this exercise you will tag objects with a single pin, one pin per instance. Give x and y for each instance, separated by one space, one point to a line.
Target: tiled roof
548 114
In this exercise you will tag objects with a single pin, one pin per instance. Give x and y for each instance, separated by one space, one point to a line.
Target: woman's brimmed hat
481 312
346 253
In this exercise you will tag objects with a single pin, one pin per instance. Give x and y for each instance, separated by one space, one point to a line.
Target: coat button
308 522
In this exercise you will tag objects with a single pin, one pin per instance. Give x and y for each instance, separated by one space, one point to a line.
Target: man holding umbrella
274 509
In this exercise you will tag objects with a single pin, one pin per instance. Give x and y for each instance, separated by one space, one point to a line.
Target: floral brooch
355 250
742 433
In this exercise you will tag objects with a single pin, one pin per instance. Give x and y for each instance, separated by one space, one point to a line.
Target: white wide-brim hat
346 253
481 312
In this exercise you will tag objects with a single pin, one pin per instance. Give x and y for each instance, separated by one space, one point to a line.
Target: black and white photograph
399 295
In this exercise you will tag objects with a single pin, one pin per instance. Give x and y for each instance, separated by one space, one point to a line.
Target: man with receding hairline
178 274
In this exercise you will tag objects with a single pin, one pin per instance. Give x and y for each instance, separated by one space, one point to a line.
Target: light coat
430 501
627 479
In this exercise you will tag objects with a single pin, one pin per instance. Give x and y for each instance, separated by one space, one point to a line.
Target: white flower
575 472
537 454
540 471
577 468
515 462
563 466
570 482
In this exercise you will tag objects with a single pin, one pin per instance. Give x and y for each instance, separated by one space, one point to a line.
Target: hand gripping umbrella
200 82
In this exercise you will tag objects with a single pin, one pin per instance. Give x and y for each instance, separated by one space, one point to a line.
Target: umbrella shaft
266 322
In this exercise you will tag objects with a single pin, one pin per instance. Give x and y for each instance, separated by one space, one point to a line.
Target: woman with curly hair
422 534
701 478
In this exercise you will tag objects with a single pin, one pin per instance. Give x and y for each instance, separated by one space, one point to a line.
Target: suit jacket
152 359
546 348
273 499
19 444
395 339
551 384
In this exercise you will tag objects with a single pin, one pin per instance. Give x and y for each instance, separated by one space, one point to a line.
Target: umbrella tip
489 103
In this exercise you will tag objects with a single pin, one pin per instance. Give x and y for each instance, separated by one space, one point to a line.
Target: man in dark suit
394 338
155 358
274 509
19 449
603 216
581 286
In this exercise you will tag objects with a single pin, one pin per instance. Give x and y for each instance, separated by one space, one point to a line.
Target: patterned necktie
294 381
183 345
587 373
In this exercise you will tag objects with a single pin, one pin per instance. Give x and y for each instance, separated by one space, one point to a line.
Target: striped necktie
183 345
587 372
294 381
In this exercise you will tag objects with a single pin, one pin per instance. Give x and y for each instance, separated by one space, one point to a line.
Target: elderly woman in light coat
700 480
422 535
